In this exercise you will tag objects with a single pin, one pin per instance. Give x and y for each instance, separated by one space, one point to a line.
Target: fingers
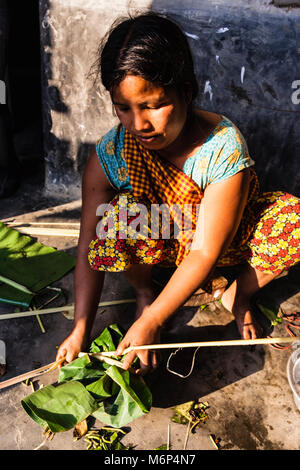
251 331
148 361
247 325
129 358
139 334
61 353
145 363
155 360
122 346
67 352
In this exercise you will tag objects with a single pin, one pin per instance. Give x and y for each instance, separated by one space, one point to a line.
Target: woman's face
154 116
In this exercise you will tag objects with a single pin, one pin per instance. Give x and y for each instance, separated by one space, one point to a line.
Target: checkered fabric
160 181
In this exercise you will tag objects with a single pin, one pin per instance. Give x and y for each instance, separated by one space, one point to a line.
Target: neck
184 141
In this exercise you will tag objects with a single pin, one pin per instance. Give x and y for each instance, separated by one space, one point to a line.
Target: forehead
136 89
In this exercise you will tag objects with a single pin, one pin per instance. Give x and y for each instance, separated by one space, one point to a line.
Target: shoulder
227 131
231 155
218 126
223 154
112 142
110 151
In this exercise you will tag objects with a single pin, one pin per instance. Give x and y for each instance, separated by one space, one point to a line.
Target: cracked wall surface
247 61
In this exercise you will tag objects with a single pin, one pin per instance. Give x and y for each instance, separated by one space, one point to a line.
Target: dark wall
247 58
24 78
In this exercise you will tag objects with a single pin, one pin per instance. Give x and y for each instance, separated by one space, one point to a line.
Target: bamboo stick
48 232
105 355
233 342
103 358
52 366
31 374
15 284
66 308
53 224
187 435
39 321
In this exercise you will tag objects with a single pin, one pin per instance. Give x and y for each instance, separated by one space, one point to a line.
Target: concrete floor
251 406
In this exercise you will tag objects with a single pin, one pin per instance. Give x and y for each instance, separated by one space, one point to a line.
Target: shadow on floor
214 368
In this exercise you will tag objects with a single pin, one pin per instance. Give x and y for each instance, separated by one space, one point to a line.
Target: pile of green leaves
27 266
87 387
192 412
106 439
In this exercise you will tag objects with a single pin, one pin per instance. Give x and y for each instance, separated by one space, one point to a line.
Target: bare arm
88 283
220 214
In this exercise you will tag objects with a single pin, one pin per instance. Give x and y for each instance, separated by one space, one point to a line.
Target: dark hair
148 45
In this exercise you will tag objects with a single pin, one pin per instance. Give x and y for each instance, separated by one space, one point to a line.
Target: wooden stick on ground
48 232
52 224
65 308
187 435
32 373
52 366
105 355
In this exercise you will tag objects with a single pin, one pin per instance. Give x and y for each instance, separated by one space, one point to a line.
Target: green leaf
271 314
83 368
88 386
60 407
108 340
101 388
106 439
28 263
134 386
133 400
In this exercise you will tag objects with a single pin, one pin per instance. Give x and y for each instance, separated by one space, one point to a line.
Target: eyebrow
153 101
119 104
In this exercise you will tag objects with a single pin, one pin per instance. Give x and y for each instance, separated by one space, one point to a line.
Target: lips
147 138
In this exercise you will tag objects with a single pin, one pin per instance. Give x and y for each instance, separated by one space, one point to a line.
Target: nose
140 121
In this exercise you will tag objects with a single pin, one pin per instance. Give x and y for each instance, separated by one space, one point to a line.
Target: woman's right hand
71 347
143 331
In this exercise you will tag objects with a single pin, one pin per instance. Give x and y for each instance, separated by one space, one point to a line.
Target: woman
167 152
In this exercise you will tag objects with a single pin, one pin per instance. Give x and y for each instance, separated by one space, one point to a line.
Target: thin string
192 366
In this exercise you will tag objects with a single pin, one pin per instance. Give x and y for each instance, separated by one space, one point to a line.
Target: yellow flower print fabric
116 253
269 233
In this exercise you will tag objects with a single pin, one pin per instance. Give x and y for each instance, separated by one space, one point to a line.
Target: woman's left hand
143 331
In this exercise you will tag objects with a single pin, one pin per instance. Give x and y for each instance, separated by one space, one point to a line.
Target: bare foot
245 320
246 323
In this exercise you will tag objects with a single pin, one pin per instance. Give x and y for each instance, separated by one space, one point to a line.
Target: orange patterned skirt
273 246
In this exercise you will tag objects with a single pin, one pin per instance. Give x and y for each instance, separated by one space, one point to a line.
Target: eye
123 109
155 106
